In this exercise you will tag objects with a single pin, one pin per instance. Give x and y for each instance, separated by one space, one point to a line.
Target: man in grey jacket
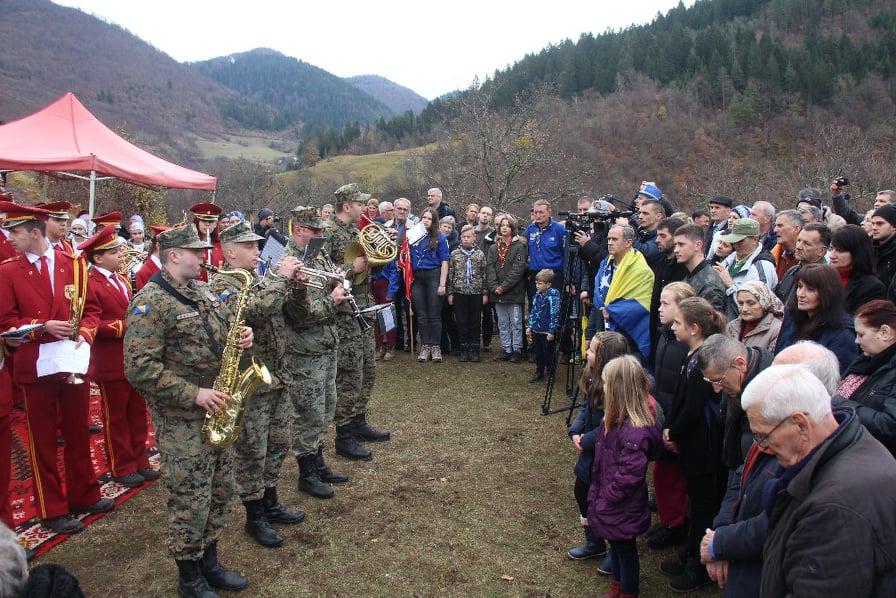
688 250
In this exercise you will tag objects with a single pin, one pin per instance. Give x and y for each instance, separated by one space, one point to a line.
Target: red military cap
158 230
57 209
17 214
108 219
206 211
105 239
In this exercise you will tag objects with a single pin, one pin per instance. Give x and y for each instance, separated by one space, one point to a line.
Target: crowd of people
747 352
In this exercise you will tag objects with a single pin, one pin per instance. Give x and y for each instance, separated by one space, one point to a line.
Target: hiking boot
216 575
277 513
364 432
103 505
388 355
324 472
673 567
309 479
654 529
474 354
191 581
605 567
257 526
149 474
348 446
436 352
515 357
424 354
464 354
64 524
692 578
590 549
668 537
505 356
132 480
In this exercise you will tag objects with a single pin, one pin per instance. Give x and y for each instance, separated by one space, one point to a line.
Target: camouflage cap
351 192
307 216
240 232
181 237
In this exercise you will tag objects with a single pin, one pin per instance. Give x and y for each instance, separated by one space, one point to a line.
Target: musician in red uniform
57 224
36 287
205 218
124 411
5 436
112 219
152 264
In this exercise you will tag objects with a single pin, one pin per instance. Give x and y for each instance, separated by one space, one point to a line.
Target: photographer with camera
650 213
840 199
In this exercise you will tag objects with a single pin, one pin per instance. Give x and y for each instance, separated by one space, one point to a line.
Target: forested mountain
279 91
397 98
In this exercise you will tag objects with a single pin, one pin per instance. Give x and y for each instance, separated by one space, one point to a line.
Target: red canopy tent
65 137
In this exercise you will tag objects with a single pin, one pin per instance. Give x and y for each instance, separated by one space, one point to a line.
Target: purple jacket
617 499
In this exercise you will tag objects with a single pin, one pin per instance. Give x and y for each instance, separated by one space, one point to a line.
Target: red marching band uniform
6 400
209 213
28 296
59 210
124 411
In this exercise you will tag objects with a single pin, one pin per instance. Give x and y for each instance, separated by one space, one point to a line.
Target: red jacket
217 259
145 272
107 352
6 250
24 300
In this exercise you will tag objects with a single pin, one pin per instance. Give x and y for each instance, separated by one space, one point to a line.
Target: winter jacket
844 210
832 520
737 437
511 276
453 240
666 269
708 284
787 284
875 402
545 313
842 341
587 423
760 265
391 273
885 260
645 242
457 273
545 246
742 525
694 422
862 289
617 498
764 336
669 357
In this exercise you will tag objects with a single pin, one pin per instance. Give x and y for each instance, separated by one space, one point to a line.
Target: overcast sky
431 47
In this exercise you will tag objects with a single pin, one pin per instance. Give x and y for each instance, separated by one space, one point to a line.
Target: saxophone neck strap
166 286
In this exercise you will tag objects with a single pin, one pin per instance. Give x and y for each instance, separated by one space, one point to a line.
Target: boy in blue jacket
544 321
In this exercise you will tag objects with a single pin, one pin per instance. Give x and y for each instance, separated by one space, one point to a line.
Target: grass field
249 147
472 497
370 167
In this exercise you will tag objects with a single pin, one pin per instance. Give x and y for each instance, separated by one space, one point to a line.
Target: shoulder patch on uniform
227 294
140 310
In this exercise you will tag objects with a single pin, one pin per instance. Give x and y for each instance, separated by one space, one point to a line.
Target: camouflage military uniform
308 365
264 441
171 350
356 363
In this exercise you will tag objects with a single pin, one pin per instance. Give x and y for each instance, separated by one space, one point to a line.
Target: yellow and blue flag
627 299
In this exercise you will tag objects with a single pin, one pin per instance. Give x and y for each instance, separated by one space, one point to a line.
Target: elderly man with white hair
832 510
434 200
818 359
387 212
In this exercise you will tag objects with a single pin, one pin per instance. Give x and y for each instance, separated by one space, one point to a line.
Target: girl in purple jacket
617 499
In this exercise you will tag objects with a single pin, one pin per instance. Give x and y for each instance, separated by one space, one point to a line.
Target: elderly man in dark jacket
730 366
832 510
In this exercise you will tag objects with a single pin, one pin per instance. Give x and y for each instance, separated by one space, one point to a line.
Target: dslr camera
601 210
842 181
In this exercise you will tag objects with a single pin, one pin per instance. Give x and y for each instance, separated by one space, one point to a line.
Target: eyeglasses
718 382
762 439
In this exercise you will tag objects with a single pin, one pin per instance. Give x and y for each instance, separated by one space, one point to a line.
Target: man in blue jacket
545 238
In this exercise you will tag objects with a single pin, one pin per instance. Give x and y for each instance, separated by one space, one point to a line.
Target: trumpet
322 275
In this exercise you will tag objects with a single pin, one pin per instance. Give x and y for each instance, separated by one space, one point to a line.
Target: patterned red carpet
31 534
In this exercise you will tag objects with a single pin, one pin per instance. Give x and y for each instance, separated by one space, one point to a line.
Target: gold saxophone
221 429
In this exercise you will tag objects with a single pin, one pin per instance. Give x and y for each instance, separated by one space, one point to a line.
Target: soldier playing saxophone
176 332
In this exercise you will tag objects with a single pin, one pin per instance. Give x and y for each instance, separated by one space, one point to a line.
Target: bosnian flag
628 298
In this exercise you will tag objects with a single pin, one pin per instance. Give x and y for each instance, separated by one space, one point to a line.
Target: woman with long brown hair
506 279
583 431
429 261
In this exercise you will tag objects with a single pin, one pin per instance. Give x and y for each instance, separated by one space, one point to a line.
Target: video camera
601 210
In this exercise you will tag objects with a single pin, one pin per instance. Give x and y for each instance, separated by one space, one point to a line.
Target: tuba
222 429
378 245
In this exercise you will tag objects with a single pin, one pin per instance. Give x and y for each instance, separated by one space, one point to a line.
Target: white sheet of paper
62 356
387 319
417 232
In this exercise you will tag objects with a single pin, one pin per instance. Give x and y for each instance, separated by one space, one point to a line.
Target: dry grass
475 485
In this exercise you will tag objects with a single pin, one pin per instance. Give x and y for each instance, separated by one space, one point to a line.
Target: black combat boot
348 446
277 513
474 354
192 584
216 575
309 480
324 472
464 354
364 432
258 527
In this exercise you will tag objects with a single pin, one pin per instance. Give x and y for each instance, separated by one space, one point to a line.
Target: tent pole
92 192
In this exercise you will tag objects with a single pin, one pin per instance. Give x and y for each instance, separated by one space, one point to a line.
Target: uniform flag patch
141 310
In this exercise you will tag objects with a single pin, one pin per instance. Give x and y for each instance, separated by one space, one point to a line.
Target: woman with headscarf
760 316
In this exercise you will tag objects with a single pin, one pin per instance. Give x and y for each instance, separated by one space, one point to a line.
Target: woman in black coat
852 254
693 430
869 385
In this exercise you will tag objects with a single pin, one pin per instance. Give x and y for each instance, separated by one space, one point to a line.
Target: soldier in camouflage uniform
356 365
264 441
309 365
176 333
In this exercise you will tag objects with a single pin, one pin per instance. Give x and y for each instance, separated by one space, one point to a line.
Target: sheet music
273 250
62 356
386 318
417 232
